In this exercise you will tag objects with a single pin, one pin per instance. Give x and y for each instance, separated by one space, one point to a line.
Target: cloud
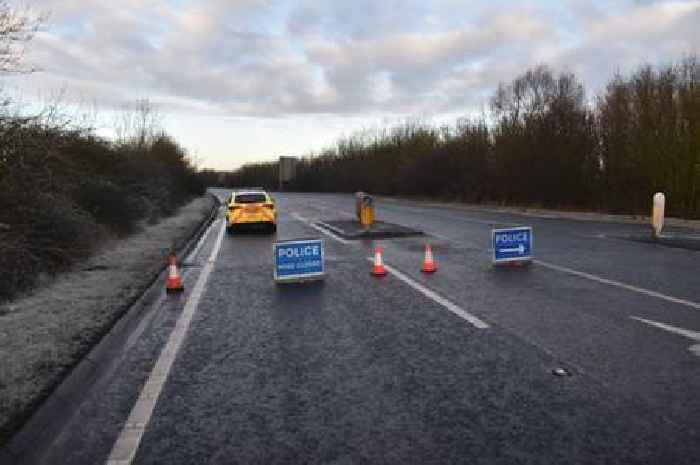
264 58
658 33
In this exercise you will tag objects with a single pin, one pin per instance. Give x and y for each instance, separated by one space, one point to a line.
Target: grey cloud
418 63
359 19
251 57
654 33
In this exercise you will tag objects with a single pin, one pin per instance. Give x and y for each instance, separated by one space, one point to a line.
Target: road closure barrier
299 260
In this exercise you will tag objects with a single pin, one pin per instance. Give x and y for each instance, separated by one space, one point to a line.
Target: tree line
543 142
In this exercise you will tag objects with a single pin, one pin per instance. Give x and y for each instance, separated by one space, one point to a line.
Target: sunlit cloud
282 59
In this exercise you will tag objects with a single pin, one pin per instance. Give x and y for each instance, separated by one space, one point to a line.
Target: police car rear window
250 198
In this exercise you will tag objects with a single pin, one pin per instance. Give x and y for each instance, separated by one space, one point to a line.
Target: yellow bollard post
367 216
366 212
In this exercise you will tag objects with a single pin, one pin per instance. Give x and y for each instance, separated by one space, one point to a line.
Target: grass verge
43 335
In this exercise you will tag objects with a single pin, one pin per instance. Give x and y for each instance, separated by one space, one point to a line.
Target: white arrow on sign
520 249
694 335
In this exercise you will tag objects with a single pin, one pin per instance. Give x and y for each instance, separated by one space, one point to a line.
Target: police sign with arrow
512 244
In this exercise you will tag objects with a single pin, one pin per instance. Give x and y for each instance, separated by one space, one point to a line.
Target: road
358 369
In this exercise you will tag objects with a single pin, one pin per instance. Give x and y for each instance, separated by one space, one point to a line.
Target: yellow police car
251 208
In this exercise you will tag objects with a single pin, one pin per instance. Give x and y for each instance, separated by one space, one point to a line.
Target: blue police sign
512 244
298 260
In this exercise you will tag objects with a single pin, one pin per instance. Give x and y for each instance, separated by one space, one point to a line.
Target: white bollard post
657 214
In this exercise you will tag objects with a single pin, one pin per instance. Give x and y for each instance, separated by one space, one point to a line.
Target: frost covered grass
44 334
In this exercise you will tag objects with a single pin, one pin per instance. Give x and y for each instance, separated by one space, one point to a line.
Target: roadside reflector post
657 214
512 246
298 260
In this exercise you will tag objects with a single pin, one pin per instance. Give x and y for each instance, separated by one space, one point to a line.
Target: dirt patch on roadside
46 333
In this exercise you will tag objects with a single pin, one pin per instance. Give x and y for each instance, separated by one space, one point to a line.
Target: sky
237 81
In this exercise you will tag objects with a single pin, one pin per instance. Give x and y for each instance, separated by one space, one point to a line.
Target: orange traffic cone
378 268
174 283
428 262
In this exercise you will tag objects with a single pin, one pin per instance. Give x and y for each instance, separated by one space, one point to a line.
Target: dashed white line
436 297
694 335
124 449
610 282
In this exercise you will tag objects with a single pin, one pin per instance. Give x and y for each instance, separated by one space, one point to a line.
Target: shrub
60 189
109 204
60 232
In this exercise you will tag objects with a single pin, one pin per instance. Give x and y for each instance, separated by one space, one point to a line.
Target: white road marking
350 215
298 217
694 335
610 282
440 236
124 449
199 245
329 227
345 241
435 297
335 210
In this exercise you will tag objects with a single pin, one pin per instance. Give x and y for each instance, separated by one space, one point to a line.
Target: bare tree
17 28
138 123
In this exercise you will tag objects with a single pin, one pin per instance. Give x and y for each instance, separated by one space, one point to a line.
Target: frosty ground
44 334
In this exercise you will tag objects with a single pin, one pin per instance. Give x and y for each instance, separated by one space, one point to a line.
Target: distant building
287 171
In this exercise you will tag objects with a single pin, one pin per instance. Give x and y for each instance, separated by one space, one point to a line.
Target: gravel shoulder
44 334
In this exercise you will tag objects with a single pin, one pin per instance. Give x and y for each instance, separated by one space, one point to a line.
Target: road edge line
36 432
127 444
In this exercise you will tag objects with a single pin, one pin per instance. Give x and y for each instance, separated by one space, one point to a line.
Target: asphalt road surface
359 369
